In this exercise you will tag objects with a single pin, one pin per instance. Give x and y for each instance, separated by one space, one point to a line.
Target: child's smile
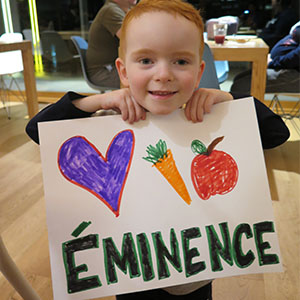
161 95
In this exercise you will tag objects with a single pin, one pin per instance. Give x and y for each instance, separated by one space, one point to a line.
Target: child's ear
200 73
122 72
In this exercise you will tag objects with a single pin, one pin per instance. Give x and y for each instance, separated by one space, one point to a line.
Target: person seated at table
279 26
103 43
283 72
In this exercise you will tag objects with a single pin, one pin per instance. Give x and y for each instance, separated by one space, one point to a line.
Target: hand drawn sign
158 240
81 163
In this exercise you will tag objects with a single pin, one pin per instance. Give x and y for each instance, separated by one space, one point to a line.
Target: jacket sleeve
61 110
273 131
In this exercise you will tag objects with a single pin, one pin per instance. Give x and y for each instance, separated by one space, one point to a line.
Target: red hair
174 7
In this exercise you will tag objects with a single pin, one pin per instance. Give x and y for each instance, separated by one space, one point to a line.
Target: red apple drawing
212 171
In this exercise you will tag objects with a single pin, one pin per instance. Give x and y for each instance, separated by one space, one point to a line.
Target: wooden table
255 51
29 77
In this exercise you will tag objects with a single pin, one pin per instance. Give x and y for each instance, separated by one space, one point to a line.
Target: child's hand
119 100
202 101
123 102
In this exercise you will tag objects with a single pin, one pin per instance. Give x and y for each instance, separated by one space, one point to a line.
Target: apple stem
213 144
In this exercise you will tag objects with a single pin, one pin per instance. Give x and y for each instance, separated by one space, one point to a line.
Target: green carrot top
158 153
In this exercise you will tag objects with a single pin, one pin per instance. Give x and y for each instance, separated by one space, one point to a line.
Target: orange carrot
162 159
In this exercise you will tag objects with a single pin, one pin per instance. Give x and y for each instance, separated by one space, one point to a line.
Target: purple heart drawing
81 163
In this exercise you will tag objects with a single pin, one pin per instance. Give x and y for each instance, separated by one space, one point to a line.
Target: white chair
14 275
10 63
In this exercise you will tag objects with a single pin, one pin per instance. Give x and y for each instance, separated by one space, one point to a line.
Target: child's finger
131 110
140 113
197 108
193 109
208 104
200 110
124 111
187 111
123 107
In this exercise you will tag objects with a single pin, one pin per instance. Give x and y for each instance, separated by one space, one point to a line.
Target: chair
28 36
293 113
81 45
222 68
11 272
55 49
10 63
209 78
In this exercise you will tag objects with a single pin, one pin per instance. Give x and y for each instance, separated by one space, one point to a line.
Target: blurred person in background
103 42
285 15
283 72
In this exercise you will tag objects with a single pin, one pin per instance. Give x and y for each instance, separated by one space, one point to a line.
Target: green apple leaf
198 147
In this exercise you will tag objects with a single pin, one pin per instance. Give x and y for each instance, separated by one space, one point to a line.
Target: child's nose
164 73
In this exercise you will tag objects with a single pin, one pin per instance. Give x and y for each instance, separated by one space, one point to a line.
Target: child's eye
181 62
145 61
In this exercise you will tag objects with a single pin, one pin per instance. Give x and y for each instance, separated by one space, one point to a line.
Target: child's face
162 64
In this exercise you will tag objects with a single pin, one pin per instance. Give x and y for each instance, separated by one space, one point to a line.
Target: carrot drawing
162 159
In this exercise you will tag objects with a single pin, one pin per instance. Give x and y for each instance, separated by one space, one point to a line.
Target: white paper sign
119 223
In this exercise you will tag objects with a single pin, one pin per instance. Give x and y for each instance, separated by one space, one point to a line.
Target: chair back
222 68
209 77
28 36
11 37
54 47
81 46
11 61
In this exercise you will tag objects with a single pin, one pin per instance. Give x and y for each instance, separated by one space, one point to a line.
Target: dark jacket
279 26
286 53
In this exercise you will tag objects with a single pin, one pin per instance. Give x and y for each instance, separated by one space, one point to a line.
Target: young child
160 67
